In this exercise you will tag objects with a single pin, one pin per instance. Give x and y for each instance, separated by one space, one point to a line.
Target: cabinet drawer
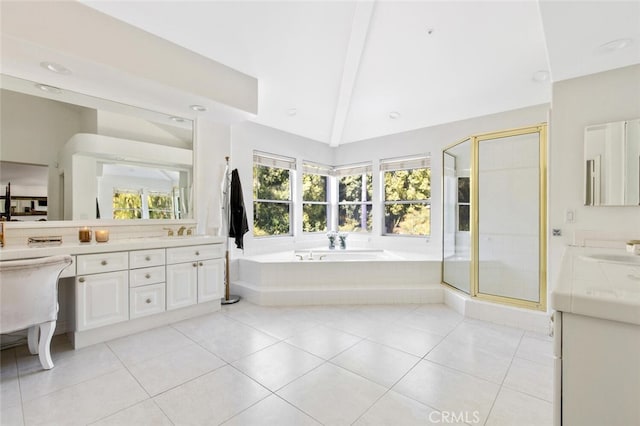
145 276
146 300
191 253
146 258
102 262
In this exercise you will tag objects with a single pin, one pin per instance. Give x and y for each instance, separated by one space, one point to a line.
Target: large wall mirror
68 156
612 164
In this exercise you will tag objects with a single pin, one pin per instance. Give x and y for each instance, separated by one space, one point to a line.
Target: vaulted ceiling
339 72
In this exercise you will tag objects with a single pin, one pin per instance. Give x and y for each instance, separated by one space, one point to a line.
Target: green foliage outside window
272 201
354 203
160 205
127 204
314 205
407 194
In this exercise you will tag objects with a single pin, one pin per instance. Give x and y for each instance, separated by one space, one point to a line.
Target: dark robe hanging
238 225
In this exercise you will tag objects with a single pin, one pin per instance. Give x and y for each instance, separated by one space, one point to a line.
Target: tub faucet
310 254
181 230
299 256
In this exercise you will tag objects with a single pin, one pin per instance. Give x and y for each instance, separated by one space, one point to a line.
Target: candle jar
102 235
84 235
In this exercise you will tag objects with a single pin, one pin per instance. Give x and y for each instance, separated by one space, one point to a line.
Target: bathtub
351 276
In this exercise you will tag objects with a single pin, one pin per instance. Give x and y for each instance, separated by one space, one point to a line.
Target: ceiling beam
357 41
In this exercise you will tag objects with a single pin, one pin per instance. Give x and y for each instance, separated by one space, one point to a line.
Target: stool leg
32 339
46 333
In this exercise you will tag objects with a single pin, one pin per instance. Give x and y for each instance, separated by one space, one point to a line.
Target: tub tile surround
196 379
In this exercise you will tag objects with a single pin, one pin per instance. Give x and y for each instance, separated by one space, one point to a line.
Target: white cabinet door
182 285
210 280
102 299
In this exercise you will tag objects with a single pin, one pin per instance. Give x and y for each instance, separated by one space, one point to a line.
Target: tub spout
310 254
299 256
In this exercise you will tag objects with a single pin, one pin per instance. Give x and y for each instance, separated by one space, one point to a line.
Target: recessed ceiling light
614 45
57 68
394 115
177 119
49 89
198 108
292 111
540 76
430 30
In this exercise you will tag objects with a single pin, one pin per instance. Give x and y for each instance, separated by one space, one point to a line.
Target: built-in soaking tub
312 277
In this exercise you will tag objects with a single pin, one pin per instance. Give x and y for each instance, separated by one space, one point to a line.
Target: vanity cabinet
195 274
146 282
102 289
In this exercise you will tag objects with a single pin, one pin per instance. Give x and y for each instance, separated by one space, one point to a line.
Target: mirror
102 159
612 164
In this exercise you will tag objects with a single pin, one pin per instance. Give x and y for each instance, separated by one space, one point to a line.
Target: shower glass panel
456 243
509 217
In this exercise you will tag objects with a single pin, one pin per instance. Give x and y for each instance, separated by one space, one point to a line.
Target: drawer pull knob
200 263
148 301
147 258
104 262
197 253
147 276
81 279
195 264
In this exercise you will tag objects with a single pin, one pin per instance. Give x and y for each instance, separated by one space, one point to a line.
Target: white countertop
25 252
598 288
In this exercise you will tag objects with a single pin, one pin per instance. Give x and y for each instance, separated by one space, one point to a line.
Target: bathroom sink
614 258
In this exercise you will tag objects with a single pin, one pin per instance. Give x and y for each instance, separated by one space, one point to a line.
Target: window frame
317 169
278 162
365 170
414 162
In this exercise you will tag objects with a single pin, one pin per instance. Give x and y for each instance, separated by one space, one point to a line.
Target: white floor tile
9 385
433 318
471 358
394 409
166 371
448 390
332 395
376 362
408 339
85 402
145 413
11 415
356 323
277 365
211 399
515 408
149 344
531 378
494 338
205 327
272 411
236 340
282 328
536 349
69 369
323 341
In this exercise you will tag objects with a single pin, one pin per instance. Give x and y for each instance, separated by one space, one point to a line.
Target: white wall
577 103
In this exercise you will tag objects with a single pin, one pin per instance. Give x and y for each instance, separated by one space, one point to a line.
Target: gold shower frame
474 290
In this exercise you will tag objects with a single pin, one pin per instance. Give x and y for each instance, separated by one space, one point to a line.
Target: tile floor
251 365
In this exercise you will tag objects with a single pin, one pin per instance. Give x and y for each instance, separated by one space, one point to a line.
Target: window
407 194
315 195
355 189
159 205
272 177
127 204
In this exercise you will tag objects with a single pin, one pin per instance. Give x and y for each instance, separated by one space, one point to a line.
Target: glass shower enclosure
494 216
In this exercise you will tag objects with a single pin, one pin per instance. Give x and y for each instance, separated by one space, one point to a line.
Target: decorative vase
343 241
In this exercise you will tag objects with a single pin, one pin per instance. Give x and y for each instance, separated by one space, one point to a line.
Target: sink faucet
169 232
181 230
